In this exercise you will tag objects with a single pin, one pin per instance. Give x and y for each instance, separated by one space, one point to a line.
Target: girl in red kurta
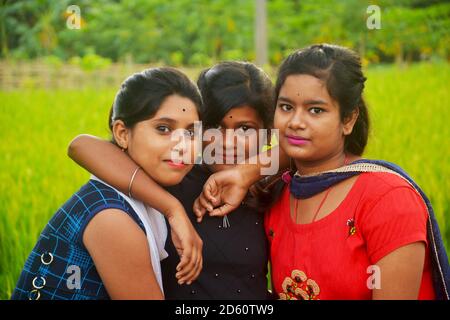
363 236
340 226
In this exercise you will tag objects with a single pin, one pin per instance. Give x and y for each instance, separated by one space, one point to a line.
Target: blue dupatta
306 186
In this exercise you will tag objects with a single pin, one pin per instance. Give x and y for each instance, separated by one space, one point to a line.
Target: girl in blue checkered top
104 244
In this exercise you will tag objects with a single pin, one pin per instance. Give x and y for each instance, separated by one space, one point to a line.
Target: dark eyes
163 129
166 130
313 110
316 110
189 133
244 130
285 107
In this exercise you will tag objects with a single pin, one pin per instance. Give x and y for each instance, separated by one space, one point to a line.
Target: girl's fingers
199 211
199 268
209 190
215 202
221 211
189 269
189 276
205 203
185 258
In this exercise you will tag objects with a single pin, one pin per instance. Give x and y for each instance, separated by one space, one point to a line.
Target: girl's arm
110 164
395 236
400 273
121 256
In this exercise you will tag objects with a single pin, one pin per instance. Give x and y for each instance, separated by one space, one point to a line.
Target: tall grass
409 110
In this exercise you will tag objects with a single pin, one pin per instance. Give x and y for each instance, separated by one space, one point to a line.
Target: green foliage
195 32
52 61
90 62
176 58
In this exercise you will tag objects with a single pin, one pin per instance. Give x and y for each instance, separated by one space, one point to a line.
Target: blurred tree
199 32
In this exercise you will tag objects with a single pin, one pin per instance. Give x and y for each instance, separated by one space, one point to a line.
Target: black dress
234 258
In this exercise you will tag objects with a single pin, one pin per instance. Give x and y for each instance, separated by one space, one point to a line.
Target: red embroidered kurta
329 258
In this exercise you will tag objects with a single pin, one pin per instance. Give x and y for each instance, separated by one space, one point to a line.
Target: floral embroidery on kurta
299 287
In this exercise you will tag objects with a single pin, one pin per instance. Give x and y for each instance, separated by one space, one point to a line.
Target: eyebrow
312 101
285 99
250 122
244 122
307 102
190 126
173 122
170 120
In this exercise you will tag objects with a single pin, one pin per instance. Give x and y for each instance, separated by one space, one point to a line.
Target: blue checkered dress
51 269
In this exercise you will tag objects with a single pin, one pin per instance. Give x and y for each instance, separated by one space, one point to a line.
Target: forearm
109 163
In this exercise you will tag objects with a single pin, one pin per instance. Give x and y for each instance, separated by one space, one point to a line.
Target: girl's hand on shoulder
222 193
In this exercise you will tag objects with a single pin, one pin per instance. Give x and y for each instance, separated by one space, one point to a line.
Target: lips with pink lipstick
297 140
176 164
